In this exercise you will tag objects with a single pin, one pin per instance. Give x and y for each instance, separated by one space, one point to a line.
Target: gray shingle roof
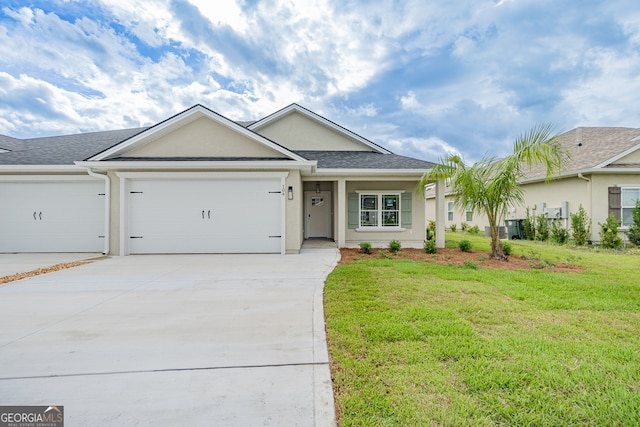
363 160
591 146
60 150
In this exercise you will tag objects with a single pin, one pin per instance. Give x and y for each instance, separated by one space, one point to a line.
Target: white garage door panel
52 217
205 216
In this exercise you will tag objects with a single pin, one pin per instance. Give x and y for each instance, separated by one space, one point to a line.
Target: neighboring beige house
603 176
199 182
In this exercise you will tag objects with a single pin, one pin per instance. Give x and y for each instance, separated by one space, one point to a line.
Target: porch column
440 217
342 213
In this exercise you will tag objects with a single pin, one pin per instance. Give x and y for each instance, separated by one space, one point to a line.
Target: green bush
365 247
465 245
453 227
542 228
394 246
474 230
431 230
464 226
634 230
609 238
529 226
430 246
559 234
581 226
507 249
469 263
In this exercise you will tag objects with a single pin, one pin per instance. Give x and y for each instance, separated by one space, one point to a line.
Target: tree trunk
496 244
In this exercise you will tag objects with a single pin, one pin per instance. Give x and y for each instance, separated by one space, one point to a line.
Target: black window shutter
615 202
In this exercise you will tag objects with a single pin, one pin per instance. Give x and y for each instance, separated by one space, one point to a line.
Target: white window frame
379 211
449 211
623 206
469 213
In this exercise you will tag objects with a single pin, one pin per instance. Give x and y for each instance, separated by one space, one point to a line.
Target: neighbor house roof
594 148
60 150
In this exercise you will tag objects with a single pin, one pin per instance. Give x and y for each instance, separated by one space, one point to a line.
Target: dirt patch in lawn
454 256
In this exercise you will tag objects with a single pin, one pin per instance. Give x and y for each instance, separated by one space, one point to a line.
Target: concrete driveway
234 340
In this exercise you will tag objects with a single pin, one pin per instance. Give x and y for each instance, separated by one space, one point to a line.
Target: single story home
199 182
603 175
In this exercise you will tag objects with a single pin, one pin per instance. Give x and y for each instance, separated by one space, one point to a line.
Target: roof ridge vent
579 136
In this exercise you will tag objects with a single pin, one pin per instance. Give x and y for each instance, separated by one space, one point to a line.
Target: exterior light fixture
290 193
318 188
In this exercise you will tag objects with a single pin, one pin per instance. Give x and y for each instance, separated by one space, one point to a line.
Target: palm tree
492 186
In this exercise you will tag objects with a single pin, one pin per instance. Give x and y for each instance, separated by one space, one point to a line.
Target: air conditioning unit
553 213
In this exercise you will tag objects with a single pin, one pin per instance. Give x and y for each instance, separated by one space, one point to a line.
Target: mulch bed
454 256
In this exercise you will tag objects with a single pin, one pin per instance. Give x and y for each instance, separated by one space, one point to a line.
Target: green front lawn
418 343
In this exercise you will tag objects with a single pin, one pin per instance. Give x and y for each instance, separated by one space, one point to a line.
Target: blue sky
421 78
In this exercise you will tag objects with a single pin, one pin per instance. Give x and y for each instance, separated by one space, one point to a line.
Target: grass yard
416 343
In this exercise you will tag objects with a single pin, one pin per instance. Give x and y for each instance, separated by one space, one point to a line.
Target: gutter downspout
107 207
589 192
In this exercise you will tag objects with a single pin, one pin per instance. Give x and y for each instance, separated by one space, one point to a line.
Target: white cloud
410 102
431 148
606 96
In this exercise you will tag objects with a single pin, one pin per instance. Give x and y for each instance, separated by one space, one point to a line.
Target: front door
318 214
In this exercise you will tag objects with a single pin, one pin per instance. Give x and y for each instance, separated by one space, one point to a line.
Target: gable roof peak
181 119
294 107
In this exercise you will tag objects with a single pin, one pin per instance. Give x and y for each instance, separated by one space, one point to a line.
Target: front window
379 210
469 212
450 211
629 198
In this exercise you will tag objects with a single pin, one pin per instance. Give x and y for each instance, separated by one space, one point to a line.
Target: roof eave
589 171
413 173
205 164
40 168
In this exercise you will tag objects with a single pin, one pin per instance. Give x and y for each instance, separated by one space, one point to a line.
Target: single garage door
52 216
204 216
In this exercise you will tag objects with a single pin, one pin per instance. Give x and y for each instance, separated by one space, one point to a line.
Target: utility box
554 213
515 229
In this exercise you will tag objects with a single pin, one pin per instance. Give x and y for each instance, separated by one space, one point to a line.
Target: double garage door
204 215
52 216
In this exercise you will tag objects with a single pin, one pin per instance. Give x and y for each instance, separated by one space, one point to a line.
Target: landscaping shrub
394 246
634 230
529 227
475 230
464 226
581 226
469 263
365 247
609 238
559 234
453 227
430 246
542 228
507 249
465 245
431 230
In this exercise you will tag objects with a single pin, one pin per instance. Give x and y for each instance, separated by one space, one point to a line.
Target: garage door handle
34 215
209 214
40 215
202 214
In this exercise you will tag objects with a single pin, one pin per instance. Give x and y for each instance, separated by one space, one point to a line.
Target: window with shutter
615 194
376 210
